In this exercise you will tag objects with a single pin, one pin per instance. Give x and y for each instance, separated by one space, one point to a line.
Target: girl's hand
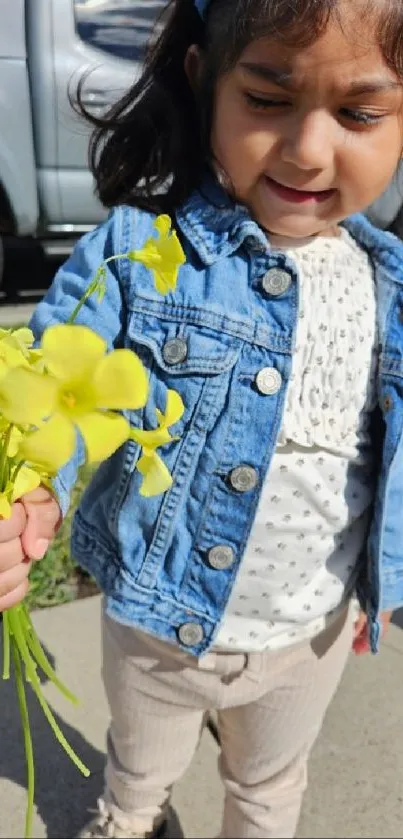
360 642
43 519
14 565
24 537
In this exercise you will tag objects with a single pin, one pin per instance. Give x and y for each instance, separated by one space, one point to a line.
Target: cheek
228 133
369 168
240 145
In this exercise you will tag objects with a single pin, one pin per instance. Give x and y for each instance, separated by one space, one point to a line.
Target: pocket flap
182 348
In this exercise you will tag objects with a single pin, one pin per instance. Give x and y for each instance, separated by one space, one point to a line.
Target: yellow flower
35 360
157 478
82 388
14 442
20 339
26 480
162 255
15 348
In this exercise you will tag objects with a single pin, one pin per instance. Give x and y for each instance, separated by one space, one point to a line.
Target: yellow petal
157 478
24 335
3 368
165 280
171 250
27 480
120 381
5 506
71 351
168 243
51 446
174 409
23 338
162 255
12 356
161 436
151 439
26 397
15 440
149 254
35 360
103 433
162 225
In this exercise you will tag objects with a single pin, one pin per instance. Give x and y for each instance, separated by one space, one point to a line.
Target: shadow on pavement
62 794
64 799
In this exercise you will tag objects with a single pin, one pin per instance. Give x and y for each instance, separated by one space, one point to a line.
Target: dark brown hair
151 148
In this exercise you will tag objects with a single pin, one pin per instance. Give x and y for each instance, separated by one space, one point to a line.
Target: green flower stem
29 754
3 458
93 286
40 657
79 305
31 675
115 256
17 469
6 647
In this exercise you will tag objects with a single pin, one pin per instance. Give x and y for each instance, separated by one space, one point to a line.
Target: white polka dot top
311 522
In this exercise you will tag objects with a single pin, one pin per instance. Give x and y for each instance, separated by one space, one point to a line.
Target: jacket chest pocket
196 361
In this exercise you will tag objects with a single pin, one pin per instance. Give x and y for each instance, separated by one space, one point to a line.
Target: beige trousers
270 710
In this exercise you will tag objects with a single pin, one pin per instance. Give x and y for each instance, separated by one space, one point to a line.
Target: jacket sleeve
105 317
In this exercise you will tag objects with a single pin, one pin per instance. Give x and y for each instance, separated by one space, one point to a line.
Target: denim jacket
167 564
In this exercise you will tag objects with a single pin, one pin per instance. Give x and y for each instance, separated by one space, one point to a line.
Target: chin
295 229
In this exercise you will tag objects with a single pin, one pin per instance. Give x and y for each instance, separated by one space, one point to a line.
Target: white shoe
104 826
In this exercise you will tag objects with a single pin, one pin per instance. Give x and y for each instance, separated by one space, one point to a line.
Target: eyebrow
374 86
283 78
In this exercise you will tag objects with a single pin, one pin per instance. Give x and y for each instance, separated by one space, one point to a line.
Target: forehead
348 49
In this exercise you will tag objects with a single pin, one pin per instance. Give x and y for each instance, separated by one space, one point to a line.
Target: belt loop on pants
254 666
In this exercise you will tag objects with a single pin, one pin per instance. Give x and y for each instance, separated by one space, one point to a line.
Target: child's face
308 137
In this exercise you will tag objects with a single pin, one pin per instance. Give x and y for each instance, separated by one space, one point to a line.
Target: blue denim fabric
150 556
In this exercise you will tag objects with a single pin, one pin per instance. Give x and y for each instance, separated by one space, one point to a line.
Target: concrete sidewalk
356 771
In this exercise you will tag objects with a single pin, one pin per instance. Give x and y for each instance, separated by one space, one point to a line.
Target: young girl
263 127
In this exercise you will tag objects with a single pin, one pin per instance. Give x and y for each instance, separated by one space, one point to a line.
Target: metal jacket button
268 381
243 478
174 351
276 281
190 634
221 557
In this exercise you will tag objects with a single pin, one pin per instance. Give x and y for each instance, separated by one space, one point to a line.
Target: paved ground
18 313
356 771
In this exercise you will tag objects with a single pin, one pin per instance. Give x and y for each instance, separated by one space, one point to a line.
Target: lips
298 196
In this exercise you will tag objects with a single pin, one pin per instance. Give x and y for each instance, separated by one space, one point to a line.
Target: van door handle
95 99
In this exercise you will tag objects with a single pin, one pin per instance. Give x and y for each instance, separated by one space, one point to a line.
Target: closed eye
360 116
357 115
259 102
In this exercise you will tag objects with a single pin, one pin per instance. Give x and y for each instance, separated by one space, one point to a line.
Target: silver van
46 46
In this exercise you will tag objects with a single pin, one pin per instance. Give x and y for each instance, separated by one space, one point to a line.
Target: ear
193 66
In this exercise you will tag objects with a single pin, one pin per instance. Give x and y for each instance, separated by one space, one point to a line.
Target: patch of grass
56 578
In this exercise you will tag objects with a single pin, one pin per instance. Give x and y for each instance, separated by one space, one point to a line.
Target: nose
310 144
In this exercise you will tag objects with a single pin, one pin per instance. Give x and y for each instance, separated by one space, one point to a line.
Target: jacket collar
216 227
384 248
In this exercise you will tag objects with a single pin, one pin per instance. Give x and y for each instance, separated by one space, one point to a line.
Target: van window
118 27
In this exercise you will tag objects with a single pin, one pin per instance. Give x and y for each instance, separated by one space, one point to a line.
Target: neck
278 241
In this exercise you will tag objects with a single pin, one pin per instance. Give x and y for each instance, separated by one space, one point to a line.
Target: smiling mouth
299 196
